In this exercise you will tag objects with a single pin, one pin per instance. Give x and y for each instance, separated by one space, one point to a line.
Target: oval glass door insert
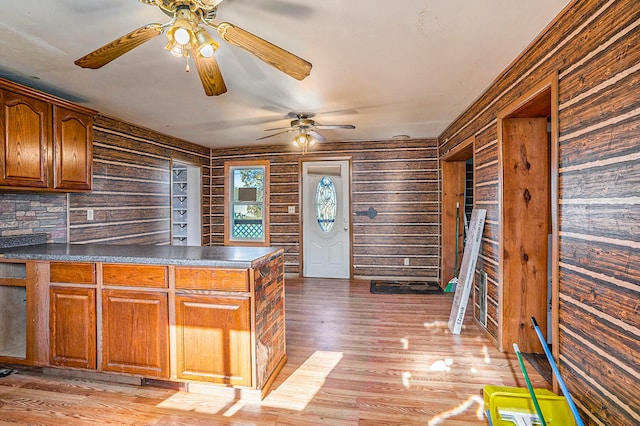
326 204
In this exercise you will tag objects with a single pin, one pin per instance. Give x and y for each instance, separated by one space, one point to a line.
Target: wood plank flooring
355 358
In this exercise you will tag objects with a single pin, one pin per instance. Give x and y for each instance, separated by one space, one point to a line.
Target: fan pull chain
186 69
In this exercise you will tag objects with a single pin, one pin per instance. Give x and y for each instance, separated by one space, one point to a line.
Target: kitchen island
161 314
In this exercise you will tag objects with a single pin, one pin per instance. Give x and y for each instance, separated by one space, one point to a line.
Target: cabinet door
25 133
73 147
135 332
214 339
72 323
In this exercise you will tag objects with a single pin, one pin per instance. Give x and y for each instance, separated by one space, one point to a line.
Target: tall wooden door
326 210
525 227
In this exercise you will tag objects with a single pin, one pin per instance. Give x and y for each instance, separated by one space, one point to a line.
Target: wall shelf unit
185 204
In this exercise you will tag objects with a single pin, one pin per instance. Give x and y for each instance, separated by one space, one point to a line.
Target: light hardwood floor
354 358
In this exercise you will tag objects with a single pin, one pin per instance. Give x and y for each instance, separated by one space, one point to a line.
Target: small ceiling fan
187 38
307 130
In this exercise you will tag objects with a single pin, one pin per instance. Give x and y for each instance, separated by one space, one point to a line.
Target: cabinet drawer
212 279
76 273
135 275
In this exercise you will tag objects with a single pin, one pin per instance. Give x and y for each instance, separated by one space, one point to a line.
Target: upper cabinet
26 134
45 142
72 149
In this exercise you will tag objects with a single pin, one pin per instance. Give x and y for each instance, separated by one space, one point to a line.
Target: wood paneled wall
131 185
594 46
397 178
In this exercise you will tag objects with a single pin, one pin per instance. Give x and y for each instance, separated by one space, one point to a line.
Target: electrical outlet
292 209
406 261
89 214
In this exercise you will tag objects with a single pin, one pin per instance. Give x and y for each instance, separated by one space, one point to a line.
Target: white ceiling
390 68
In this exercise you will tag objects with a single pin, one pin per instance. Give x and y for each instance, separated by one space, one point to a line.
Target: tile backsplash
34 213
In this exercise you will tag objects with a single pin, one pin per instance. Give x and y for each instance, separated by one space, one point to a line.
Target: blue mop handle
554 367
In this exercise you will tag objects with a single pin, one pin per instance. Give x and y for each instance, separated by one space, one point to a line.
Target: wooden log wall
397 178
131 197
594 46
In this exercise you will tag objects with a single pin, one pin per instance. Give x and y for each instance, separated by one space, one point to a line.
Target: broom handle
536 405
455 268
554 367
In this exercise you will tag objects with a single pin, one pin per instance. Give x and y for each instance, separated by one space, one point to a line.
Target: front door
326 239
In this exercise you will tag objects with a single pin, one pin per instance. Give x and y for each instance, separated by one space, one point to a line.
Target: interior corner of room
382 188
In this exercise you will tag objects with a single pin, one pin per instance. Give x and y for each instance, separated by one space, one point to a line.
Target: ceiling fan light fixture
303 140
181 36
176 49
181 30
206 45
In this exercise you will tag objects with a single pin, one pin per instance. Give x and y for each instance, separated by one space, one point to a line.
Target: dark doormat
541 364
4 372
405 287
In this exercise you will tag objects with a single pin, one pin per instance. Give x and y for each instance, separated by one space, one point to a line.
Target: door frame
307 159
453 166
541 99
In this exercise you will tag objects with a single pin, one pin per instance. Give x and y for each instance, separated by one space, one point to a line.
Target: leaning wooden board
465 280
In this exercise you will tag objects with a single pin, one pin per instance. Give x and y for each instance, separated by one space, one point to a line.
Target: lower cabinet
135 336
72 327
213 339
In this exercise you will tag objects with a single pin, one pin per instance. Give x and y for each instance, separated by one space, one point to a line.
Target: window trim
228 197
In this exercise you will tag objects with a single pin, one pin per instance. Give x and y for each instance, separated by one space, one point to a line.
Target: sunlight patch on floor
485 352
443 365
406 375
436 324
303 384
405 343
200 403
464 406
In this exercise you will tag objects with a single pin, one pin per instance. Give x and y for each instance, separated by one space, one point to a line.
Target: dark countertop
218 256
22 240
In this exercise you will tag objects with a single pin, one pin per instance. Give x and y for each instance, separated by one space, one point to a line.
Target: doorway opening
527 146
457 204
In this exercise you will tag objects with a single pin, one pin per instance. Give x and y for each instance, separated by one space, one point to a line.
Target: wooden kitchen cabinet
154 317
26 136
213 339
135 332
72 327
72 149
46 143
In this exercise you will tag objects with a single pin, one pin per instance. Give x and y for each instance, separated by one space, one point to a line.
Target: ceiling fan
307 130
187 38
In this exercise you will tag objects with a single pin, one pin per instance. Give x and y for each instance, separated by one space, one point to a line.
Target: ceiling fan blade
276 134
273 55
335 126
210 74
119 47
317 136
279 128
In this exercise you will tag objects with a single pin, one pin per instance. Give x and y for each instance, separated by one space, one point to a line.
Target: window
326 204
246 219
